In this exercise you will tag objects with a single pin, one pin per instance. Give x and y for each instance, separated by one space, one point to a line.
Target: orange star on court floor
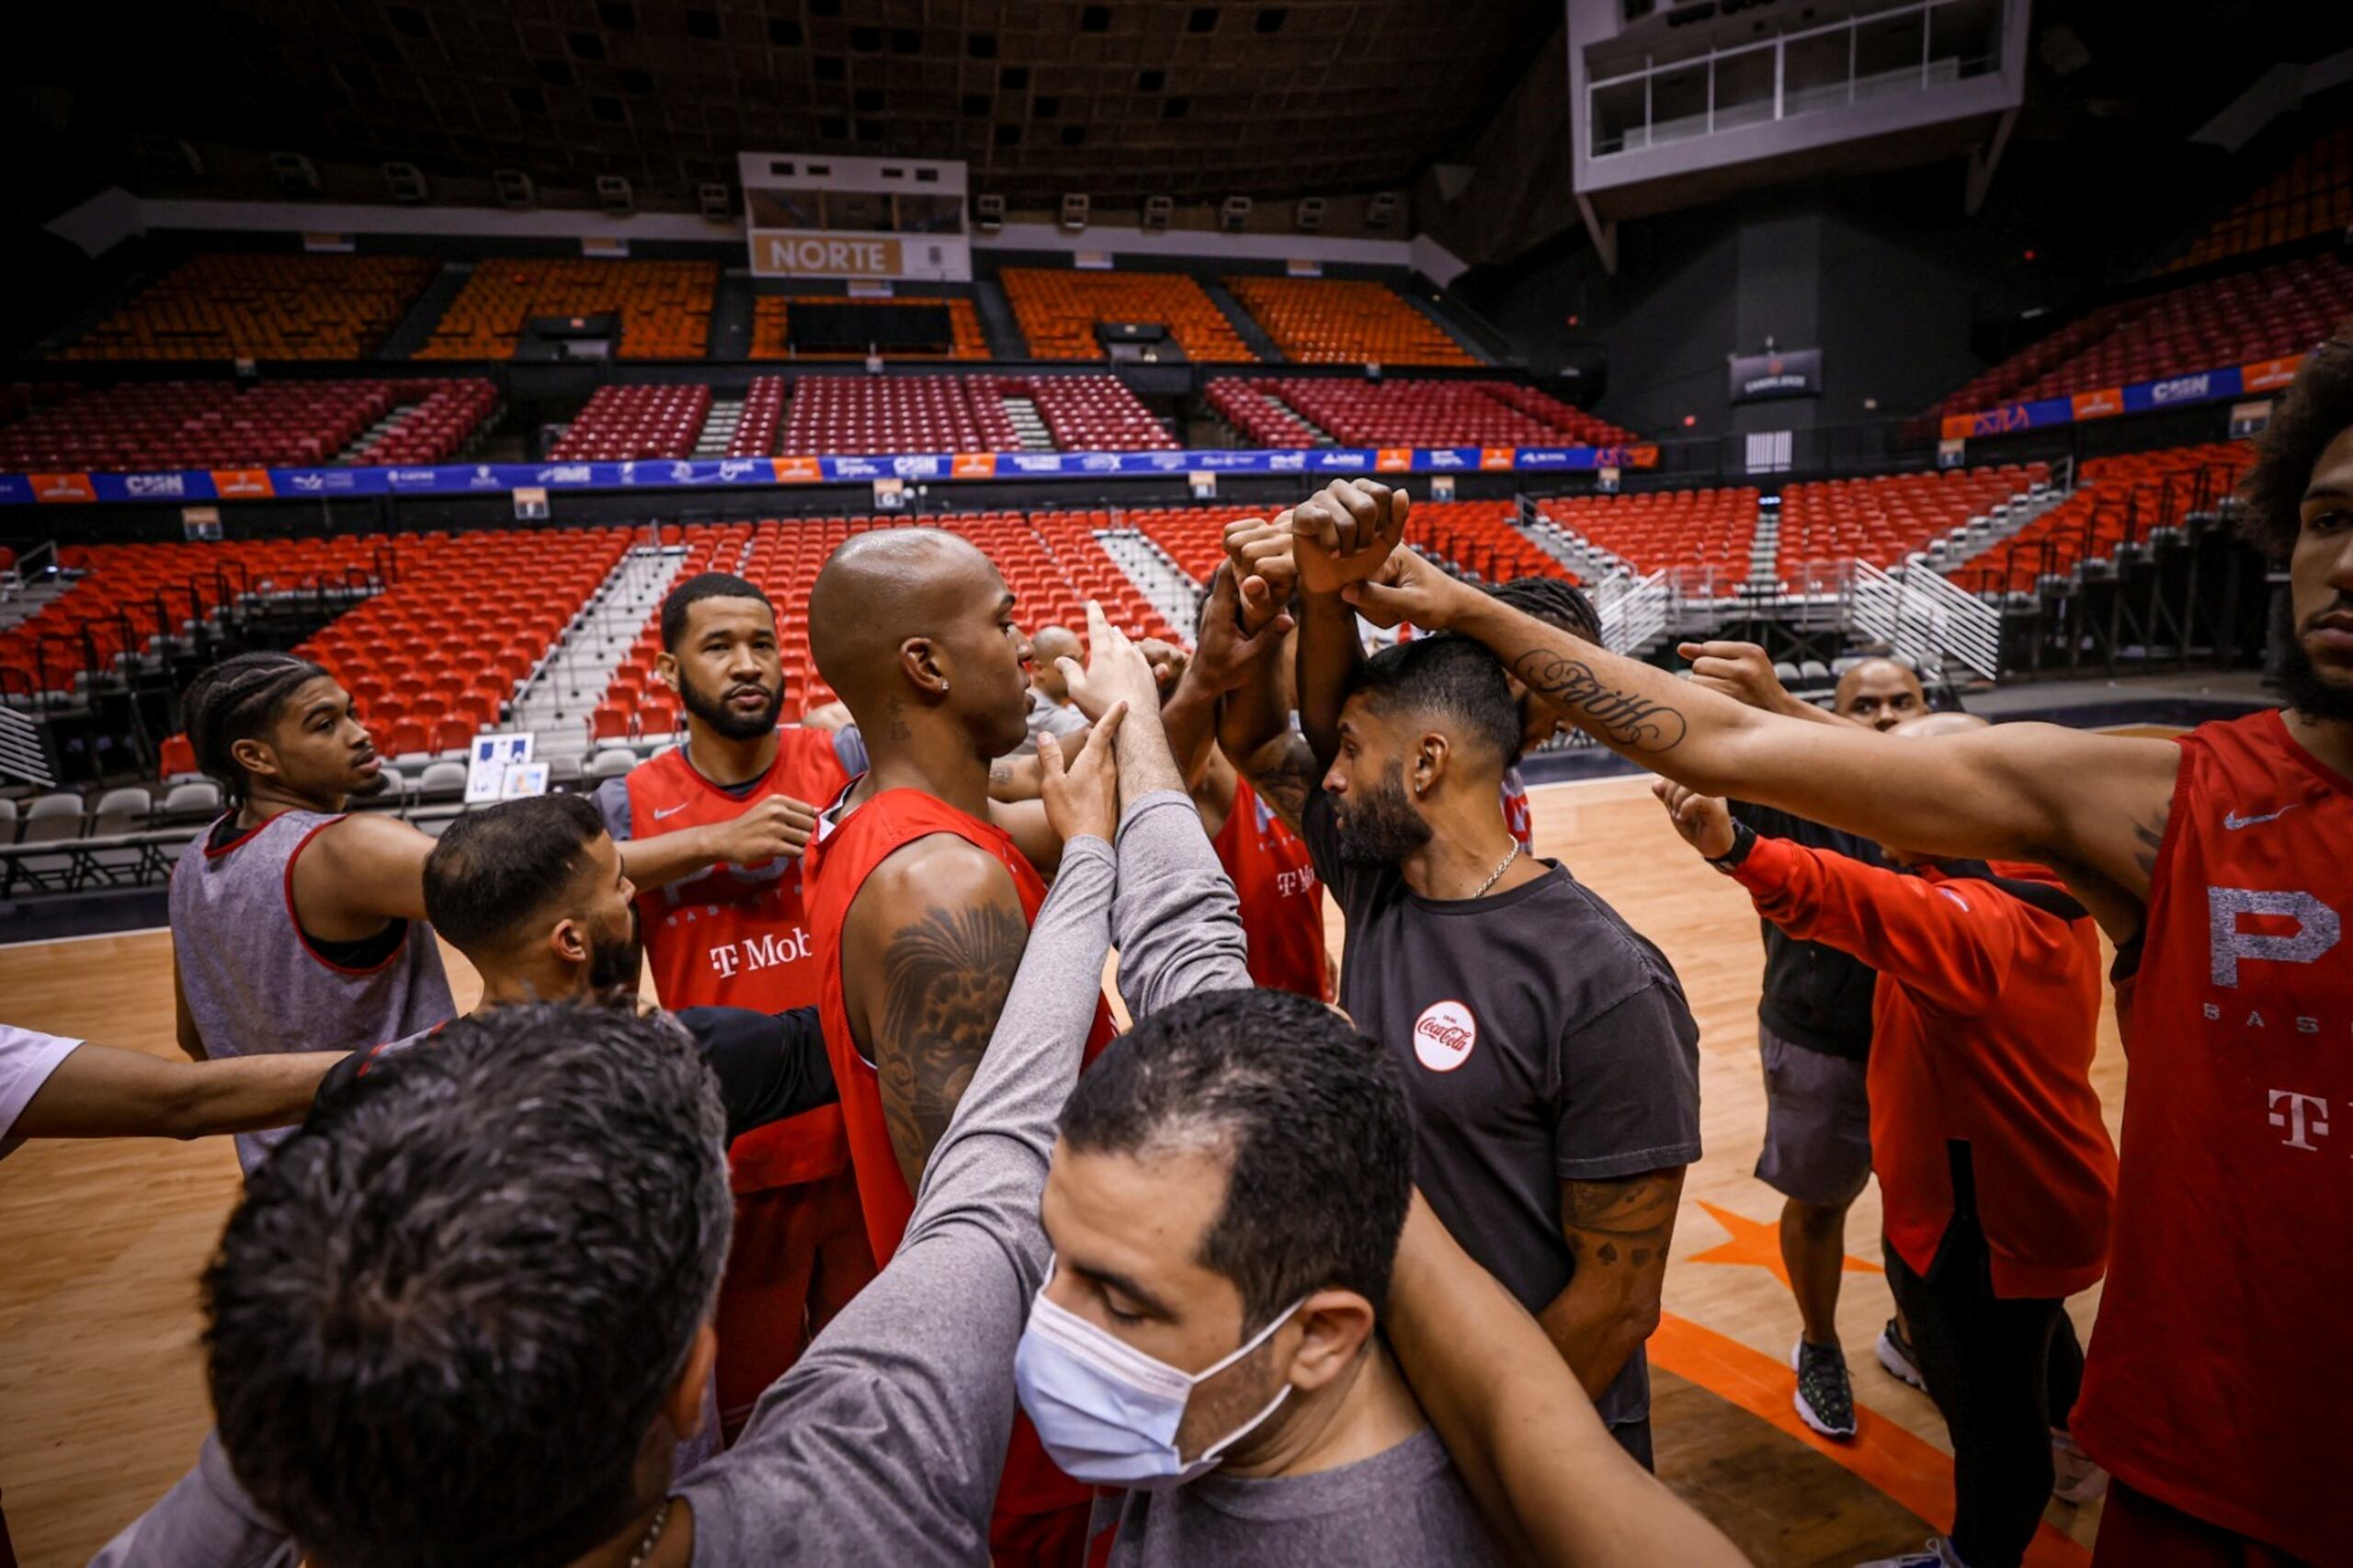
1759 1245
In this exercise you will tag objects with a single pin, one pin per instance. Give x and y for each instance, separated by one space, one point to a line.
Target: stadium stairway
997 324
416 328
717 437
1029 424
1323 438
556 703
1245 325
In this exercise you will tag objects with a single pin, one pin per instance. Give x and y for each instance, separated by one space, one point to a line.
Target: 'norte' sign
825 256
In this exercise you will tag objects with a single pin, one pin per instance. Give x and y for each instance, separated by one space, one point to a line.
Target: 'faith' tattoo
1622 718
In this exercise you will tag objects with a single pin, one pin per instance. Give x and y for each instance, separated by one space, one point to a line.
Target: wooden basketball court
101 1375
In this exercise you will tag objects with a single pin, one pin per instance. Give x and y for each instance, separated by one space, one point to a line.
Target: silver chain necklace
653 1536
1497 874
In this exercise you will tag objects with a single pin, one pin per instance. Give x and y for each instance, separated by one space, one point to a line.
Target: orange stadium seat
2117 501
1664 528
664 306
771 312
1336 322
2313 195
1882 520
263 307
1058 312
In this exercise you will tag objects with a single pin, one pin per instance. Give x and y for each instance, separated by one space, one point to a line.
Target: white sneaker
1938 1553
1896 1354
2078 1478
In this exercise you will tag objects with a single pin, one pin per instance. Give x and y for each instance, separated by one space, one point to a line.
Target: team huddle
880 1241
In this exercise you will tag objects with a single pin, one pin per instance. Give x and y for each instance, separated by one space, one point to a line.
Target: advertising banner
1792 372
2217 385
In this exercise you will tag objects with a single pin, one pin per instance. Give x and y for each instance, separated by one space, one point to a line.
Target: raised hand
1116 670
1264 569
1227 653
1168 663
1408 588
1742 671
1704 821
1083 800
770 826
1343 534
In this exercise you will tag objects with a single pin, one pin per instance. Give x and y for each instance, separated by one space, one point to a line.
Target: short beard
2309 693
615 966
731 724
1380 826
370 788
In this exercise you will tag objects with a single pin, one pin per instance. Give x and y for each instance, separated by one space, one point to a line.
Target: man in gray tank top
294 925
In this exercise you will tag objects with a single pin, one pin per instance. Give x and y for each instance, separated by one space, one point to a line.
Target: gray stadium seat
1786 671
7 822
441 781
114 852
613 762
193 803
50 819
1813 669
1844 662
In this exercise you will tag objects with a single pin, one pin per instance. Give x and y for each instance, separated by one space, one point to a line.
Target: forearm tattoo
944 981
1622 718
1286 783
1624 1222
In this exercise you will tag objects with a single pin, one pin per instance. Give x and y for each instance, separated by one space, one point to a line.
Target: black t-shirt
1814 995
769 1065
1544 1040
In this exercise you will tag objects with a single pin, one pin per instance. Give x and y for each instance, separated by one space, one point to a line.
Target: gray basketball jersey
254 982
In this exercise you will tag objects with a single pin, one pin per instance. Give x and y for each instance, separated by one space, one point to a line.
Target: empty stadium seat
624 422
897 414
664 306
1289 412
262 307
1335 321
152 425
2311 194
1883 519
1655 529
2117 501
1058 312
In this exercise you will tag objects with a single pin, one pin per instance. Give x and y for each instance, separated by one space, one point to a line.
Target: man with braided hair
297 925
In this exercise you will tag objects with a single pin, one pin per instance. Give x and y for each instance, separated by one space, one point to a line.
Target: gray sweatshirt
885 1441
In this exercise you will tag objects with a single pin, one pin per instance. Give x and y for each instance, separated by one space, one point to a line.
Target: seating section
2117 501
1058 312
1091 414
2313 194
263 307
1476 540
771 312
1050 561
2270 312
664 306
149 424
464 622
896 414
621 423
1882 520
1664 528
1271 410
756 432
1335 321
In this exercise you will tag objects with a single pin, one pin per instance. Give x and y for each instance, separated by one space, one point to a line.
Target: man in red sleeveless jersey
723 924
2216 1389
924 892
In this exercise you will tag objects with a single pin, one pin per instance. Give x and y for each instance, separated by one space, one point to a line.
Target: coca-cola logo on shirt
1444 1035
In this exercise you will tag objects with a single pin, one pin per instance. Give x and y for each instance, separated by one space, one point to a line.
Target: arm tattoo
1626 1221
1286 783
1622 718
945 978
1000 774
2148 838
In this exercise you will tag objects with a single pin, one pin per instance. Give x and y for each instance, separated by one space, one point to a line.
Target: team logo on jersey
2232 943
1444 1035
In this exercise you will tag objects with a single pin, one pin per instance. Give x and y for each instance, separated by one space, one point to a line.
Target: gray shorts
1817 1123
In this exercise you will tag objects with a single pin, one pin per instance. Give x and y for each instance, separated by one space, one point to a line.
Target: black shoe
1896 1354
1825 1400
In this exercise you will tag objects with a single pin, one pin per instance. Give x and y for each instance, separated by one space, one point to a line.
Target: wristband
1744 839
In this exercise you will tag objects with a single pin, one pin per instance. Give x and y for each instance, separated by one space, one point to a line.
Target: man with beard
734 935
294 925
1552 1061
2218 864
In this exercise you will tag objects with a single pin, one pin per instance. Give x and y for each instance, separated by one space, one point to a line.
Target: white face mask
1107 1413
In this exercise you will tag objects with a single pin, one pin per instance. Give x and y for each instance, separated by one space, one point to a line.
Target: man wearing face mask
1551 1059
1219 1364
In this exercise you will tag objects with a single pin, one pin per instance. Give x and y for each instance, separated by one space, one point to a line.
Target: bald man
1881 693
923 893
1052 711
1995 1171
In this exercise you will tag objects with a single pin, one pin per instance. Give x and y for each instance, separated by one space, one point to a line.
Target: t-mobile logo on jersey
766 950
1295 884
2316 931
2305 1118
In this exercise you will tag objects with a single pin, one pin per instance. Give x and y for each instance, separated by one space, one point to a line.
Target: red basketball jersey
848 855
738 935
1283 904
2217 1380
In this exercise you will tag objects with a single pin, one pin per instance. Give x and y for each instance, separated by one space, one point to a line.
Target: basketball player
736 935
922 901
291 920
2218 863
294 925
1994 1168
1552 1059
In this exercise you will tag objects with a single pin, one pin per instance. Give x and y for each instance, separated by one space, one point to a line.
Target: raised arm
771 826
101 1091
2016 792
1520 1429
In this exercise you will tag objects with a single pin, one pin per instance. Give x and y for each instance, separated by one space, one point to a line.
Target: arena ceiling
1121 99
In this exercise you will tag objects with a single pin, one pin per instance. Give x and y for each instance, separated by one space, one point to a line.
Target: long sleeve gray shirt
885 1441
